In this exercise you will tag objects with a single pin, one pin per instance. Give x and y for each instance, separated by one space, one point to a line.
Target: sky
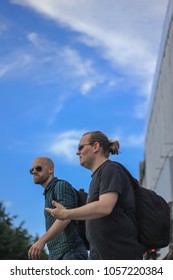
68 67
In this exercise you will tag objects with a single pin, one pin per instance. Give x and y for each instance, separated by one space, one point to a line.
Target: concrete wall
158 174
159 136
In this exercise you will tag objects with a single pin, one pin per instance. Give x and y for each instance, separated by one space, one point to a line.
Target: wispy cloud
133 140
124 36
65 144
128 140
13 64
127 39
4 69
87 86
3 27
141 109
58 107
64 63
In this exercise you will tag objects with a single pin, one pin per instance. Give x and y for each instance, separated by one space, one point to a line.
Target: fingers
54 203
49 210
52 210
34 253
58 212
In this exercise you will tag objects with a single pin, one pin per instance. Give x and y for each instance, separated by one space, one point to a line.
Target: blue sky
68 67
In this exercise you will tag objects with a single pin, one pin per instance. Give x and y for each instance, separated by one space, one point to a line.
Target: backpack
152 215
82 198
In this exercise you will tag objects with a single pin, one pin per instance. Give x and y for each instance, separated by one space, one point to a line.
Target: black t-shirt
114 237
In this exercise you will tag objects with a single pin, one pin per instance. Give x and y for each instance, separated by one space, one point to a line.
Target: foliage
15 241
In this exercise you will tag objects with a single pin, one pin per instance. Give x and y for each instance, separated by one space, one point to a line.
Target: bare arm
93 210
36 249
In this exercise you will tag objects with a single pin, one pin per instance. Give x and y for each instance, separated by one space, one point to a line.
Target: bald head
45 160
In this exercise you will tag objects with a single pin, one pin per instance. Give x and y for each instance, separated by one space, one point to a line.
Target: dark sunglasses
80 147
37 168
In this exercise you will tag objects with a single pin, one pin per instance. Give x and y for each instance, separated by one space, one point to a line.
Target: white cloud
140 109
86 87
129 140
81 67
58 107
65 145
4 69
36 41
3 27
13 64
133 140
64 63
126 33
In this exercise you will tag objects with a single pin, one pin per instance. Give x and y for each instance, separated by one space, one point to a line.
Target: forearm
55 229
36 249
93 210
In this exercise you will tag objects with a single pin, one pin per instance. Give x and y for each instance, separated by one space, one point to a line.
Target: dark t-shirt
115 236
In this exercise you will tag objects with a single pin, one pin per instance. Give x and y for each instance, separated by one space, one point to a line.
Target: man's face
41 172
85 152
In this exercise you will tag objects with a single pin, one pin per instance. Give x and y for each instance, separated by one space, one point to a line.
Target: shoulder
63 183
113 172
112 166
64 187
65 194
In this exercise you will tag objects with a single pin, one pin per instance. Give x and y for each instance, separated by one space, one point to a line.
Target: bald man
62 237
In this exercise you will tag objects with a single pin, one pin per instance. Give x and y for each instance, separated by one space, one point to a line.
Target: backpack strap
54 181
133 180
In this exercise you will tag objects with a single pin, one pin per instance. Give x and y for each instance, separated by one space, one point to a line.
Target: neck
98 163
44 184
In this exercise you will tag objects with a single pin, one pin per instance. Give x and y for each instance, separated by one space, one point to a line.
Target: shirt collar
51 184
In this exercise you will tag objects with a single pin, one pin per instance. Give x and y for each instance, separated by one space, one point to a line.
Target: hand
35 250
60 212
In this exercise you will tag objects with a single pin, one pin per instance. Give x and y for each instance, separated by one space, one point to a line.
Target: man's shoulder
62 182
109 164
64 186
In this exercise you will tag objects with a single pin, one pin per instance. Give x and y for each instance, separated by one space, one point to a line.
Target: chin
36 181
82 163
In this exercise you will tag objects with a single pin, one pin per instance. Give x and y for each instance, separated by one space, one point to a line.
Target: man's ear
96 146
51 170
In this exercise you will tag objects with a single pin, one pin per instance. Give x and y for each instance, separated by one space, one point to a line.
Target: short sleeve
65 194
111 179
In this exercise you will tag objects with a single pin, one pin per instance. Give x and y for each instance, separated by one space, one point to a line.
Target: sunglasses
37 168
80 147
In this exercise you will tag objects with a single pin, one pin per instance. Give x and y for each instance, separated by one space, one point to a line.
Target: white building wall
159 135
164 186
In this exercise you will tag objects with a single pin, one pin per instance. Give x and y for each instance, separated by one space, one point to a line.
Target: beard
39 179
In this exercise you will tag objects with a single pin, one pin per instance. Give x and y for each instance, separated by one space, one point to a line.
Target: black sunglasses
80 147
37 168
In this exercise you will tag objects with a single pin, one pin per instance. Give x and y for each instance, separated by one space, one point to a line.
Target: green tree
14 241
